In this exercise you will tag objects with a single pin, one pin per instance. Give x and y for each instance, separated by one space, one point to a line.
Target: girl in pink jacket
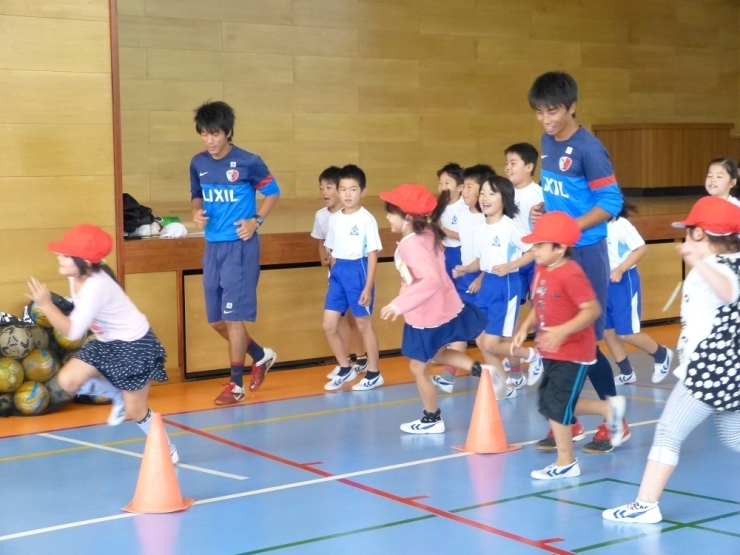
434 314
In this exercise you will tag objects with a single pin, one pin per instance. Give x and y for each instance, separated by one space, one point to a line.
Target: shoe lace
602 434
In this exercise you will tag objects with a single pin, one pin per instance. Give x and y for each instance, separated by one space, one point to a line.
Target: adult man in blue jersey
578 179
224 180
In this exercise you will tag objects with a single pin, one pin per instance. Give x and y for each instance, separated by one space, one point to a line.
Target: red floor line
540 544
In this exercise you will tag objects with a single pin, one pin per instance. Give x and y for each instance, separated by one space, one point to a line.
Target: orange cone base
173 508
485 451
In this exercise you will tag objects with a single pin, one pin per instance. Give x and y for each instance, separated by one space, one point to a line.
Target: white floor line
257 491
139 455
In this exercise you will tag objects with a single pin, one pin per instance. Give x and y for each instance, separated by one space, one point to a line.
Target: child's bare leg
334 338
345 333
450 372
488 347
365 326
355 338
616 348
654 480
593 406
137 408
564 443
427 391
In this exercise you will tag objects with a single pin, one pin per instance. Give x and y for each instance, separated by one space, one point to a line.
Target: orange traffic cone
157 490
486 433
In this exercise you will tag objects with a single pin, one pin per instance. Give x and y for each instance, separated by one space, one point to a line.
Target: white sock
646 504
102 387
144 425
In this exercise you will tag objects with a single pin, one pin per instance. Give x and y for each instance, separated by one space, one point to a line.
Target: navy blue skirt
423 343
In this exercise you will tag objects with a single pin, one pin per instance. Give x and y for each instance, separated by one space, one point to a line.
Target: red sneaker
231 395
602 442
261 367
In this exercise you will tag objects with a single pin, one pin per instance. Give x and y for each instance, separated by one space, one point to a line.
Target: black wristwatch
259 219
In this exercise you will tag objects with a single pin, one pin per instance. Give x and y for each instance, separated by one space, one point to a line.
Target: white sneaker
117 412
507 365
442 384
337 382
334 373
365 385
536 369
362 367
618 406
519 382
510 391
661 370
624 379
174 455
553 472
419 427
500 387
634 512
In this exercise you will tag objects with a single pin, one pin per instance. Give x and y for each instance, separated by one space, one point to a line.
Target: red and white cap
555 227
716 216
84 241
411 199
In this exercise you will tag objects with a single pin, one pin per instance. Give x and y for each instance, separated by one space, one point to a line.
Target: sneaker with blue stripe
421 427
554 472
634 512
536 368
442 384
337 382
365 384
661 370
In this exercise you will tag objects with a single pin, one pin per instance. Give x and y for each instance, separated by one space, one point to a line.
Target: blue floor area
333 474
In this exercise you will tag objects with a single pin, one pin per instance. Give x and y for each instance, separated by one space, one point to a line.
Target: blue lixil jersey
229 188
577 175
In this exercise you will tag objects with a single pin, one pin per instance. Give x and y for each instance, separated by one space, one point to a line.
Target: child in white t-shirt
353 242
709 365
624 304
328 184
722 176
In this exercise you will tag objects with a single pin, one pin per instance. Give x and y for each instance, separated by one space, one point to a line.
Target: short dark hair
330 174
478 173
527 152
212 116
454 170
499 184
553 90
350 171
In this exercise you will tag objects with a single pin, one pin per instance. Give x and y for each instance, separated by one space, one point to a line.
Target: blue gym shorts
346 282
624 307
453 257
594 259
498 299
462 283
526 275
231 270
561 385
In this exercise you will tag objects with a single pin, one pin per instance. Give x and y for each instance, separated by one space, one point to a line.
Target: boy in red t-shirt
564 310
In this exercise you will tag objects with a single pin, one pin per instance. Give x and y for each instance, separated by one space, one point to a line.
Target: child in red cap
434 313
709 366
565 308
125 355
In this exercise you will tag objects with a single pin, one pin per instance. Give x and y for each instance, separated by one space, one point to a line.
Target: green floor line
626 539
340 535
679 492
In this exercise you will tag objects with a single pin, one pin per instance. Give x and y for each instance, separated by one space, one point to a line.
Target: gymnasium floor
299 471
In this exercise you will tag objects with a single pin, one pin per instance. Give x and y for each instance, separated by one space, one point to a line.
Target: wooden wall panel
156 296
436 73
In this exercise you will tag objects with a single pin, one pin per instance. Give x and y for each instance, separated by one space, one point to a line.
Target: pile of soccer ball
31 354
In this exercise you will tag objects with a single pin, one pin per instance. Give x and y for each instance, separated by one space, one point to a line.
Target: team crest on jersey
496 242
565 163
454 220
354 231
232 175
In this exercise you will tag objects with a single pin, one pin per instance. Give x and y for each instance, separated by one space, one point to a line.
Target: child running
125 351
709 366
328 187
624 304
722 176
466 285
565 309
497 251
434 313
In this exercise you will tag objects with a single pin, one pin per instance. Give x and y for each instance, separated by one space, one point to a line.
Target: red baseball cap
84 241
555 227
714 215
412 199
